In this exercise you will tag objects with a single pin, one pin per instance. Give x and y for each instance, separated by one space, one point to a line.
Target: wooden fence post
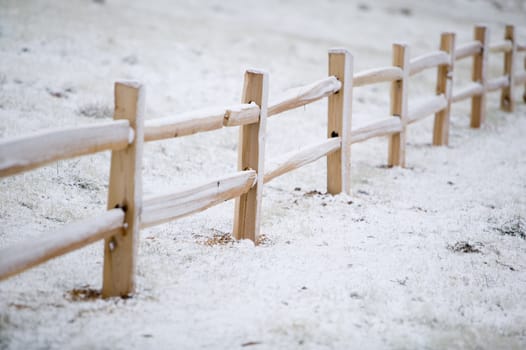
507 100
524 93
480 60
399 90
339 122
251 155
125 191
444 86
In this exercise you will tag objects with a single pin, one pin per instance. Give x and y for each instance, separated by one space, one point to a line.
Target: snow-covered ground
430 256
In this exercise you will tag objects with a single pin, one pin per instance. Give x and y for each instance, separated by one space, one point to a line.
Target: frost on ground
430 256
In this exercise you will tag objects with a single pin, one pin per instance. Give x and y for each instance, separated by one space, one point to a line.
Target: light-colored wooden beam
429 60
468 50
501 46
399 91
202 120
480 61
468 91
125 192
507 96
18 258
339 122
296 159
521 48
376 128
163 208
520 78
426 107
377 75
445 74
243 114
497 83
304 95
19 154
251 156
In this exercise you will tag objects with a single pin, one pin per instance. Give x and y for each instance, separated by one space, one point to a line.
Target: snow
373 270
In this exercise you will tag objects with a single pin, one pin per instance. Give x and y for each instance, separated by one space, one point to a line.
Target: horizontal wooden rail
428 60
520 78
503 46
467 50
27 152
296 159
304 95
14 260
497 83
200 121
381 127
426 107
377 75
521 48
163 208
243 114
471 89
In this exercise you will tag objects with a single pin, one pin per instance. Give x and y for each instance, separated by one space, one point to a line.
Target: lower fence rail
376 128
23 256
297 159
470 90
164 208
426 107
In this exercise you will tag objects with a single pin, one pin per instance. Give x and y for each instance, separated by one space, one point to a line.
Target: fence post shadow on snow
127 212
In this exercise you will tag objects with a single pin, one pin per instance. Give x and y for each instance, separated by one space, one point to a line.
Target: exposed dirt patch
83 294
516 227
220 238
465 247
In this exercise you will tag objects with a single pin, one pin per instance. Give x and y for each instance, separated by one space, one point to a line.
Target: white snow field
432 256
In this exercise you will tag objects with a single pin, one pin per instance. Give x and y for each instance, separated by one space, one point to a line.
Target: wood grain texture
163 208
16 259
497 83
501 46
243 114
19 154
399 91
429 60
296 159
251 156
125 191
468 49
507 95
480 61
426 107
468 91
304 95
202 120
339 122
445 74
377 75
375 128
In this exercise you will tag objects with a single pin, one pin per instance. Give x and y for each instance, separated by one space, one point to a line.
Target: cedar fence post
251 155
399 91
507 100
444 86
339 121
480 60
524 94
125 191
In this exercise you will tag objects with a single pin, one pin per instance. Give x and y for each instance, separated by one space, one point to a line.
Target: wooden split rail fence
127 212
